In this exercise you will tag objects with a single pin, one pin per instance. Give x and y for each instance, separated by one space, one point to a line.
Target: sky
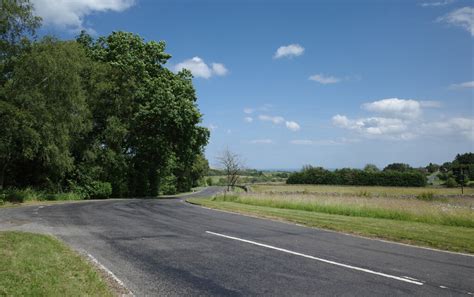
327 83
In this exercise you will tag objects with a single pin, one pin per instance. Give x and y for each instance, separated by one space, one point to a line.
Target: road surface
171 248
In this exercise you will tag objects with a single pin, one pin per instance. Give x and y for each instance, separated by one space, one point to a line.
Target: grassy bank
360 190
31 195
39 265
426 223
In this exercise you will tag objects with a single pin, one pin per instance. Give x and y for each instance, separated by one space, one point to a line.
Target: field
39 265
434 217
356 190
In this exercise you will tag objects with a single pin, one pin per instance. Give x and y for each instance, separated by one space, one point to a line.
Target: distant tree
466 158
232 165
432 168
445 167
400 167
371 168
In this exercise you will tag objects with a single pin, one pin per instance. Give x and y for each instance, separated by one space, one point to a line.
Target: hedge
357 177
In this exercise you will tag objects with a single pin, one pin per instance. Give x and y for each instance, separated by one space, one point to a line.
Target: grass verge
457 239
40 265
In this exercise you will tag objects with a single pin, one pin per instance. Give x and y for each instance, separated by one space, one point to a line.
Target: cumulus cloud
248 119
273 119
261 141
401 120
454 126
219 69
436 3
406 108
276 120
464 85
375 127
71 14
291 50
323 79
293 126
462 17
199 68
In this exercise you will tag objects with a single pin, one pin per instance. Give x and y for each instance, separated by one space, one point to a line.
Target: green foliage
28 194
451 183
399 167
347 176
371 168
74 113
209 181
98 190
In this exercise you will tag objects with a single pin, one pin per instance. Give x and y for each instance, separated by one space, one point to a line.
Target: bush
209 181
357 177
425 196
451 183
95 190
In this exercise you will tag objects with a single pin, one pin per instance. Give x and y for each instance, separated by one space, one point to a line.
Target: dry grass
446 211
360 190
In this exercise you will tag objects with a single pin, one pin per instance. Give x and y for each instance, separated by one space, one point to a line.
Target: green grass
40 265
354 190
458 239
29 194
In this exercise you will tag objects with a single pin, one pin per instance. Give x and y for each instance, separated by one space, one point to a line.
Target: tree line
357 177
94 114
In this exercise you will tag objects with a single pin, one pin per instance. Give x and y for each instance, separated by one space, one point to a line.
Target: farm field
434 217
359 190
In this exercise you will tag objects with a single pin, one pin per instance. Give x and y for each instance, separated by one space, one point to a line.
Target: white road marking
443 287
110 273
319 259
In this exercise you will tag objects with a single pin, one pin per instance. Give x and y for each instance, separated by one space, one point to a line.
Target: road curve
167 247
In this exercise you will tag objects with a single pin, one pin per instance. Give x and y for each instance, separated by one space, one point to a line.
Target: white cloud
261 141
291 50
462 17
375 127
70 14
219 69
450 127
436 3
273 119
405 108
248 119
322 79
321 142
464 85
302 141
293 126
430 104
199 68
248 110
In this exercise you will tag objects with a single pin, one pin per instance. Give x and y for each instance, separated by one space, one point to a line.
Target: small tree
232 165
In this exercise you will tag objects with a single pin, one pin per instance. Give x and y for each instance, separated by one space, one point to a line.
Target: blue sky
329 83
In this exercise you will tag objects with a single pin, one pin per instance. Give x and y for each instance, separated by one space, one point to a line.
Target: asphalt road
171 248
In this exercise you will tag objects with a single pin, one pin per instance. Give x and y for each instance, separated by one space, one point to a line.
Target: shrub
451 183
209 181
98 190
425 196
